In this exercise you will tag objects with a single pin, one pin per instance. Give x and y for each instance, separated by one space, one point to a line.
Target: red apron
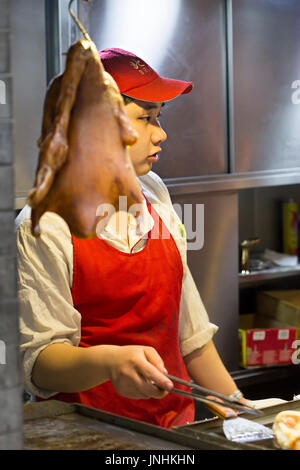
132 298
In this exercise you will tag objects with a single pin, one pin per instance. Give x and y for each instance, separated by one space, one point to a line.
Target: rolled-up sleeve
195 329
47 314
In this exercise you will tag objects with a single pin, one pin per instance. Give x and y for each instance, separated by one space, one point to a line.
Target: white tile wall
11 416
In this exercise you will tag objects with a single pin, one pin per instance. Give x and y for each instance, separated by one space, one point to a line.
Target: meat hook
85 34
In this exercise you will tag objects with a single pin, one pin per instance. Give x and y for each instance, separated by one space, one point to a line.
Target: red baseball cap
135 78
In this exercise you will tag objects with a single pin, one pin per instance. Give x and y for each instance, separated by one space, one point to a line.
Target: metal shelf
232 181
264 275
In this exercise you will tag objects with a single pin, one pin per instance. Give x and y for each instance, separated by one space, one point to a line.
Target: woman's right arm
132 369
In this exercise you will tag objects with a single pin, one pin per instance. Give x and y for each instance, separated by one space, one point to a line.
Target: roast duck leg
84 163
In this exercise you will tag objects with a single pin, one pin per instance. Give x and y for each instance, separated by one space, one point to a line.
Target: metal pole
52 39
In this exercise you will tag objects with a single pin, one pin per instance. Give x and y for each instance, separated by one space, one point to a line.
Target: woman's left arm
206 368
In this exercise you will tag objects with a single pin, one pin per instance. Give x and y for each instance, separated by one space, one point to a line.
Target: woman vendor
103 319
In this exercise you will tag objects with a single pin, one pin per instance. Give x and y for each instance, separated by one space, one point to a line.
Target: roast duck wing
84 164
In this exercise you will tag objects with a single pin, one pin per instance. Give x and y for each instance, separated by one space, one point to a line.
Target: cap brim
160 89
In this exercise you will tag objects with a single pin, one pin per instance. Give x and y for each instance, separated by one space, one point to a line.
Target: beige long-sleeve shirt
45 269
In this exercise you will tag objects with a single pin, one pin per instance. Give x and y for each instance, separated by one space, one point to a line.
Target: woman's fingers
154 358
154 370
138 372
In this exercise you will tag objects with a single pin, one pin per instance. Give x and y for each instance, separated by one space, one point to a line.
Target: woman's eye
145 118
149 118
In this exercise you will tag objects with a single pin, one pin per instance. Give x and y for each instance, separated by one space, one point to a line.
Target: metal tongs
202 394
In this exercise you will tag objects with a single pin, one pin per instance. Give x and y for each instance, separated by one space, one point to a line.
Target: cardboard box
281 305
264 344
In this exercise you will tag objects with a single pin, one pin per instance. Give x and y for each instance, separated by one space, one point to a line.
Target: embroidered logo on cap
139 66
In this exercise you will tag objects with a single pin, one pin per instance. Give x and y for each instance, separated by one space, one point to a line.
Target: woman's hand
138 372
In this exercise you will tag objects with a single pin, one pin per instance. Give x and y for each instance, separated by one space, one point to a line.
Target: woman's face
143 117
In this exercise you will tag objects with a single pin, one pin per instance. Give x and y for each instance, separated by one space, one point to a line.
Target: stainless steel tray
213 426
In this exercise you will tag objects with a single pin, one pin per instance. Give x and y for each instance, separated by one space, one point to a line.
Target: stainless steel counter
62 426
56 425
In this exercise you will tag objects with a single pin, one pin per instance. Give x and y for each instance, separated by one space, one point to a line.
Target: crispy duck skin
83 156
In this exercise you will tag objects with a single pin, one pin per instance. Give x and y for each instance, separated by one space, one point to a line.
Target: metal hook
85 34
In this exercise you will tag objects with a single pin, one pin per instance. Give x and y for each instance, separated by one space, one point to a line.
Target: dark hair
127 99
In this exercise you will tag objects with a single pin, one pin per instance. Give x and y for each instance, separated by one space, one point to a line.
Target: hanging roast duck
83 162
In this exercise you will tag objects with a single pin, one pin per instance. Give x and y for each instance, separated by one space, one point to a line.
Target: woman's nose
159 135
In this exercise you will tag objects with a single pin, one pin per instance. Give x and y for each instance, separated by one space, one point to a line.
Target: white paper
280 259
264 403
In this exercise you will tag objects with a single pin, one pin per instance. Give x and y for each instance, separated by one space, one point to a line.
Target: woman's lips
153 158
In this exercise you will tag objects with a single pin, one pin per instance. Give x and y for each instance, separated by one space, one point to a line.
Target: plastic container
290 214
